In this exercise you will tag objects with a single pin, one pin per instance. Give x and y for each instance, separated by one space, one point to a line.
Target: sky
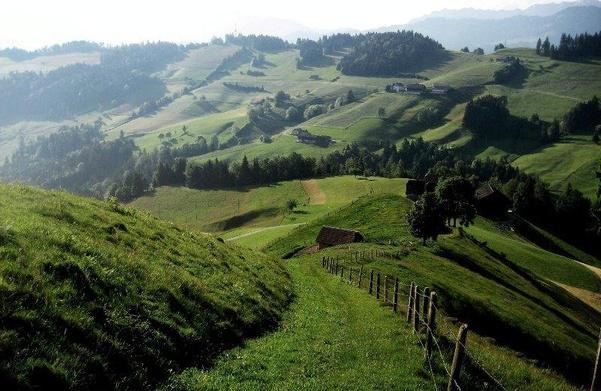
32 24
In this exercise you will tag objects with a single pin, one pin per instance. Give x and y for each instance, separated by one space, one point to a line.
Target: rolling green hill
98 296
241 211
511 298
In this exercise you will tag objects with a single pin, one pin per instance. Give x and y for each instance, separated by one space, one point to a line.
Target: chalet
415 188
490 201
332 236
440 89
415 89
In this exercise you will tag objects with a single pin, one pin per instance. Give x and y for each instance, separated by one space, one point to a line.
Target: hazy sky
36 23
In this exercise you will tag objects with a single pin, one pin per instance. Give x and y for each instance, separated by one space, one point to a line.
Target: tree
280 98
214 144
350 97
573 211
554 131
546 47
381 112
499 46
425 218
465 50
455 197
313 111
292 114
596 134
479 51
539 44
291 205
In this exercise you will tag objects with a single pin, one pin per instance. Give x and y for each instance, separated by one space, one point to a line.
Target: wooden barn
332 236
490 201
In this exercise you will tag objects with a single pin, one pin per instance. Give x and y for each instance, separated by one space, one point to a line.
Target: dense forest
390 54
263 43
17 54
123 76
570 48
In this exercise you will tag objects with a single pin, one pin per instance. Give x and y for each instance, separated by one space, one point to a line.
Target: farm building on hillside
490 201
332 236
415 188
440 89
415 89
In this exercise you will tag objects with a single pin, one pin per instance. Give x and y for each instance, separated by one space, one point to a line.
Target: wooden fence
422 312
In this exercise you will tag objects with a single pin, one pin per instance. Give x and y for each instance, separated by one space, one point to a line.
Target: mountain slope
97 296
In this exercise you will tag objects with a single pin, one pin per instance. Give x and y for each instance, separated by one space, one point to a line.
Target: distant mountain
535 10
519 30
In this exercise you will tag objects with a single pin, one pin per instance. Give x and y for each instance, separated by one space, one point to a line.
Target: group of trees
583 117
513 70
389 54
263 43
311 52
452 200
243 88
489 119
17 54
571 48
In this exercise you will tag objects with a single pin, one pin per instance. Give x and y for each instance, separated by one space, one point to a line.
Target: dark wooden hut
490 201
332 236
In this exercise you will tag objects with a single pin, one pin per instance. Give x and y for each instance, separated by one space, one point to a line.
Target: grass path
257 231
316 195
334 337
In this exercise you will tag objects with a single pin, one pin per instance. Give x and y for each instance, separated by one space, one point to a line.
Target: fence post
410 302
425 305
431 325
378 286
385 289
341 272
416 301
371 282
596 383
350 275
323 259
458 358
360 276
395 299
336 269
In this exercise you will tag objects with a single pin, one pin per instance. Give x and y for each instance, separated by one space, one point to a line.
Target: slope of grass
498 296
533 258
97 296
226 210
46 64
335 337
572 160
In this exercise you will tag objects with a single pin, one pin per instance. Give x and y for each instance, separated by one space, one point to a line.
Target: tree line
578 47
123 76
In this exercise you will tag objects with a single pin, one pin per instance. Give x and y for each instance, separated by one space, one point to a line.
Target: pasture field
46 64
572 160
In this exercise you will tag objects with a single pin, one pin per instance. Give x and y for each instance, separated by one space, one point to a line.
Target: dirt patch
594 269
588 297
316 196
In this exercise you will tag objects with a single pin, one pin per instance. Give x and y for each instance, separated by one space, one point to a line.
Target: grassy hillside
334 337
510 298
572 160
98 296
241 210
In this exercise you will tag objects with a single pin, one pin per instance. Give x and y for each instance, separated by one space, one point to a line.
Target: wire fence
421 312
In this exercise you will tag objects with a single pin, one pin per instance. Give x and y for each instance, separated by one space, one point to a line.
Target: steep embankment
507 297
97 296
